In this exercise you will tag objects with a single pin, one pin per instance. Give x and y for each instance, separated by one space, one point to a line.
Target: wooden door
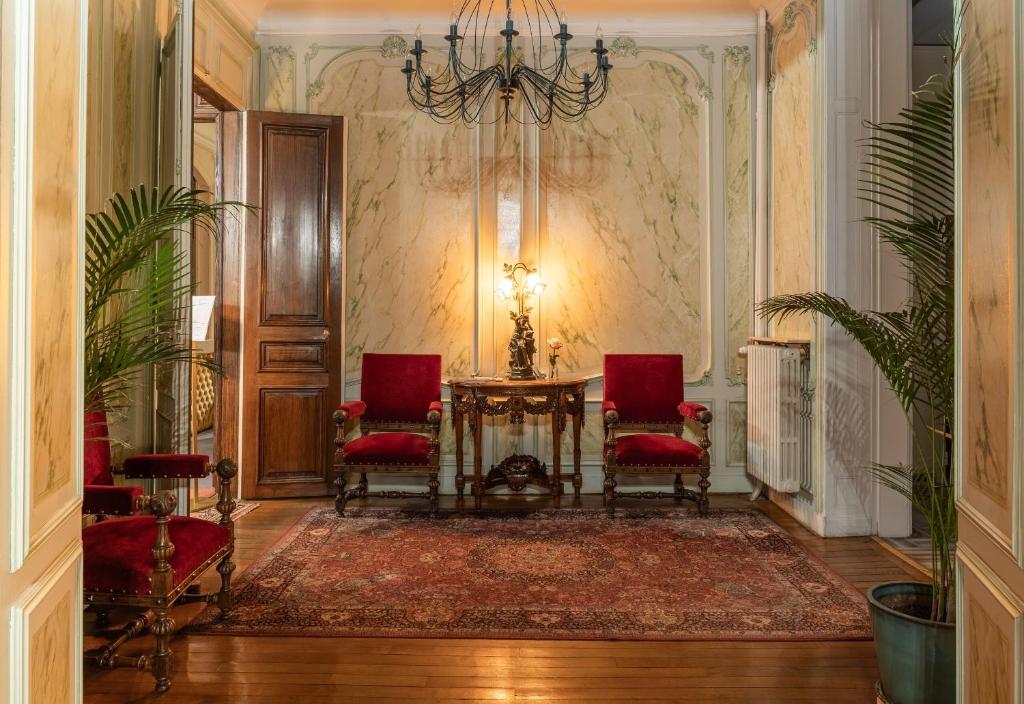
990 374
292 309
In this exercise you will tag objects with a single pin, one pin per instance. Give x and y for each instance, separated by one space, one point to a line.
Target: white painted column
865 64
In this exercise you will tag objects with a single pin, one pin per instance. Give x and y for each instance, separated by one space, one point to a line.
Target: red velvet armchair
399 422
643 396
102 498
150 561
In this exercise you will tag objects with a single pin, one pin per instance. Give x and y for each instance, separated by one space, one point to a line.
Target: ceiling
262 13
432 7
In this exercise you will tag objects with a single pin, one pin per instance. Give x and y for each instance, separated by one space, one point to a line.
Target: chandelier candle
533 70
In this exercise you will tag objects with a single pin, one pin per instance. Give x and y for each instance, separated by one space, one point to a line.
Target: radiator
778 421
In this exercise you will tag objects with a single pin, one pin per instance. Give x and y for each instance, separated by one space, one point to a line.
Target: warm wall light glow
519 283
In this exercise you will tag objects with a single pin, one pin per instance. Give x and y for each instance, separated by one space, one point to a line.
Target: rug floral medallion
569 574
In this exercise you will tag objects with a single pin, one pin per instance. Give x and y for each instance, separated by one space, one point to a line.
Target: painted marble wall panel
792 176
737 420
625 241
410 251
54 263
280 81
989 224
591 436
739 241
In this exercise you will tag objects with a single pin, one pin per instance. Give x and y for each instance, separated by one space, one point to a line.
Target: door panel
42 215
296 241
285 457
292 328
990 392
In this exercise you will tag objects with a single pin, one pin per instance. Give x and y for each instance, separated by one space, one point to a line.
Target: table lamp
518 285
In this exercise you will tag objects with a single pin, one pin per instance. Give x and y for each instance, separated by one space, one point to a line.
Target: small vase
554 371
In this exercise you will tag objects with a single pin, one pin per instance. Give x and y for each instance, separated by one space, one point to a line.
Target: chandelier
534 69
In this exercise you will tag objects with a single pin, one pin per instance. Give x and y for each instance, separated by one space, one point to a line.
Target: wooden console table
473 398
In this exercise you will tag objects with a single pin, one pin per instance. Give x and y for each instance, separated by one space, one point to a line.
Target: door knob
326 334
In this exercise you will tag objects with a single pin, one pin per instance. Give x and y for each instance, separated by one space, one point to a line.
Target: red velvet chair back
96 459
646 388
400 387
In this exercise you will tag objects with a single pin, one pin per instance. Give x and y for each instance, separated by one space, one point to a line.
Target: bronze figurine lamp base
519 284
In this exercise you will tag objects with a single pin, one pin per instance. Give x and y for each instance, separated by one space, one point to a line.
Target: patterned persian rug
569 574
212 514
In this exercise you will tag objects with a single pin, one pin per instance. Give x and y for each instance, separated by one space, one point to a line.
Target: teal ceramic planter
916 656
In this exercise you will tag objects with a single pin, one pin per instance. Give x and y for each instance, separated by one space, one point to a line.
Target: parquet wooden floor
262 670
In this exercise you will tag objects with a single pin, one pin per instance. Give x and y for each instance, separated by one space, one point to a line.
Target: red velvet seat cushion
649 450
96 459
388 448
645 388
118 553
400 387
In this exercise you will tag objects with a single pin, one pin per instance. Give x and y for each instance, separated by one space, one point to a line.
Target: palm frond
137 286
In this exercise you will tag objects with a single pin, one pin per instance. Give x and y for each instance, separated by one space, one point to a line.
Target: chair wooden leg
609 490
225 568
433 485
162 629
703 484
102 615
339 502
678 488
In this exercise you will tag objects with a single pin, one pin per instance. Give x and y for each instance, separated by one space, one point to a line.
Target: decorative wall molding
624 46
667 25
797 10
279 92
737 54
394 47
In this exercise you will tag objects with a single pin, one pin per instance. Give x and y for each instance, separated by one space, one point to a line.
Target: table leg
477 425
577 454
459 420
556 457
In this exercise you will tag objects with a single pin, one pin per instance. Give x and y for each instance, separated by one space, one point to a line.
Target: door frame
228 336
225 423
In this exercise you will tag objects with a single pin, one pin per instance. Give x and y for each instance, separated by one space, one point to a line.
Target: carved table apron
474 398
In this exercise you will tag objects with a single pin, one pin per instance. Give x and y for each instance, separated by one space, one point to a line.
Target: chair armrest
111 500
348 410
166 466
434 412
610 412
695 411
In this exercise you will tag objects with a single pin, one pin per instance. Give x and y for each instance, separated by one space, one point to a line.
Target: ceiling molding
272 23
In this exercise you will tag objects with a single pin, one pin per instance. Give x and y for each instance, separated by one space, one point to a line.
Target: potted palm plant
136 292
908 178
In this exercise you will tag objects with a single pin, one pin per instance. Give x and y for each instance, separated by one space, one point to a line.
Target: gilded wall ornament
737 54
394 47
624 46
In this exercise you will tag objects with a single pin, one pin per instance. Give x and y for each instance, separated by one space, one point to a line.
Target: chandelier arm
482 87
534 110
